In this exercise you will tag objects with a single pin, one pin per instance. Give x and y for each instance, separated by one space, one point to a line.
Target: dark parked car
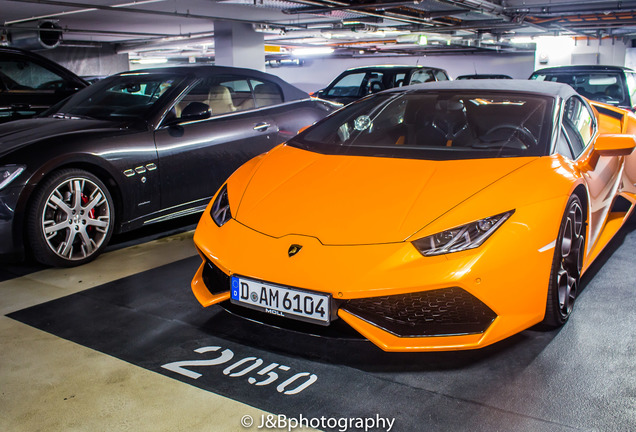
613 85
358 82
483 76
136 148
30 83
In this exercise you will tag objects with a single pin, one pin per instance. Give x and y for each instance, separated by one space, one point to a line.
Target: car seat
614 91
267 94
220 100
450 121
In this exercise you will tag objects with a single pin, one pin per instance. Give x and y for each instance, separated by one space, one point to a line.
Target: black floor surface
580 378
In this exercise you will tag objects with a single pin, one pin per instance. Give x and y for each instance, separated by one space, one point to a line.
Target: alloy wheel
570 258
76 219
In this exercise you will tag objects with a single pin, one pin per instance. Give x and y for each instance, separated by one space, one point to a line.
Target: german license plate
282 301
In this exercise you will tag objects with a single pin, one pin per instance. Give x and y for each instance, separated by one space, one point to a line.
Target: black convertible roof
582 68
553 89
390 67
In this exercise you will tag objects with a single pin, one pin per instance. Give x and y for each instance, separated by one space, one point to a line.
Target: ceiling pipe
383 6
386 15
88 7
206 39
102 32
46 34
478 5
80 8
319 9
574 8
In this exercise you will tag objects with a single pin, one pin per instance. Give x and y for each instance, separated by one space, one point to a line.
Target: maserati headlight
8 173
464 237
221 208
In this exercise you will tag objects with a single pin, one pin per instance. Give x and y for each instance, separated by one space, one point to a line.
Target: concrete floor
51 384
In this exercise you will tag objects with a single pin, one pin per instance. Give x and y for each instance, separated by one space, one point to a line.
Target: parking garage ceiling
185 28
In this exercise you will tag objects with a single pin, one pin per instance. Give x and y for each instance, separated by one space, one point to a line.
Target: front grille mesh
448 311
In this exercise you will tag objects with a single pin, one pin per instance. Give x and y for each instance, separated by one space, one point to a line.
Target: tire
70 219
565 276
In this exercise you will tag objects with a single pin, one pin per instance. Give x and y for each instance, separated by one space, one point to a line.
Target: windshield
604 87
129 96
437 125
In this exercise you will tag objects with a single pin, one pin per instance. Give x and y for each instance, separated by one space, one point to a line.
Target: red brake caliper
91 213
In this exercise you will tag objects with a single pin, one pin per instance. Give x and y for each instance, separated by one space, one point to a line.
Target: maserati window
126 96
222 95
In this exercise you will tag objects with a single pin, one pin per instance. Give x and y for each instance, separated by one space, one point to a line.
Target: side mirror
195 111
609 145
614 145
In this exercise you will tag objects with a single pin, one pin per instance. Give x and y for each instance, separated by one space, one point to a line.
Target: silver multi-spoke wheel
568 263
73 218
76 219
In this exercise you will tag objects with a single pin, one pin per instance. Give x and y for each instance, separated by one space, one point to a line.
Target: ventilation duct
46 34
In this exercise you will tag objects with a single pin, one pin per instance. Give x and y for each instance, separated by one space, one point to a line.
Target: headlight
221 208
8 173
465 237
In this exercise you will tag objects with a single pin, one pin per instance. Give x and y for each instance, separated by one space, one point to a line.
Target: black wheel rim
571 252
76 219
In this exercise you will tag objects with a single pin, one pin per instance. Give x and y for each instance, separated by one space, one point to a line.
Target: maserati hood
347 200
19 133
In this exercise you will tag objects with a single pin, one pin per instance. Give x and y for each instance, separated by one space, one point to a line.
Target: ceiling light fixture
522 40
312 51
153 60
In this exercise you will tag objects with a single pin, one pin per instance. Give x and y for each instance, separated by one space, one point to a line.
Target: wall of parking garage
88 61
316 73
565 51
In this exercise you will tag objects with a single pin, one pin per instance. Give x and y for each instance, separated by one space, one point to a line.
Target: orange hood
347 200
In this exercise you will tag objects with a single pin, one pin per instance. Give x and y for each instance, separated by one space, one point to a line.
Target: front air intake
214 279
443 312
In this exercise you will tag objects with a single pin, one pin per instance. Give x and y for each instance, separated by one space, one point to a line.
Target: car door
214 128
603 176
28 87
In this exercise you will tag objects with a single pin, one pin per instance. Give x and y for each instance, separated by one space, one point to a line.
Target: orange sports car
441 216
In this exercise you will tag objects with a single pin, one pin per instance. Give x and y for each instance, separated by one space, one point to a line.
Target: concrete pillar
237 44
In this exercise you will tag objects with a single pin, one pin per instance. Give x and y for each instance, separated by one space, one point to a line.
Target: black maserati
133 149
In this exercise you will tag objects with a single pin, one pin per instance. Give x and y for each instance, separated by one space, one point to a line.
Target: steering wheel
604 98
524 134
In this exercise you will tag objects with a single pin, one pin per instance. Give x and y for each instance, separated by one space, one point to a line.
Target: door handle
263 126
